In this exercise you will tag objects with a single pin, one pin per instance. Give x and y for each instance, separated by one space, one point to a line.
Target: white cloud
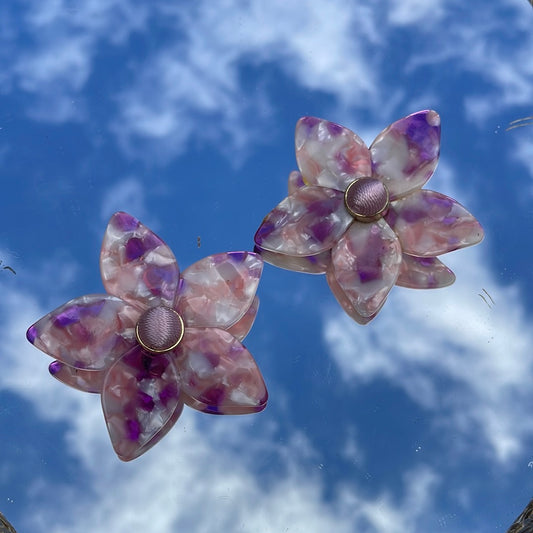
127 195
193 467
55 76
382 514
455 352
199 478
112 20
63 62
489 45
421 12
352 451
200 93
467 362
197 80
192 101
52 47
191 85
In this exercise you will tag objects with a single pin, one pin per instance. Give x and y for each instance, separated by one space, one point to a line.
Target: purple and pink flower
160 338
360 215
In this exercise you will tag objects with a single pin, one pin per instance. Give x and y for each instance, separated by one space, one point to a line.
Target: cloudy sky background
183 114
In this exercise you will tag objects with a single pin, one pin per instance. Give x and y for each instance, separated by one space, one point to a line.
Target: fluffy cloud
128 195
50 50
464 358
198 79
422 12
191 83
465 363
201 476
489 45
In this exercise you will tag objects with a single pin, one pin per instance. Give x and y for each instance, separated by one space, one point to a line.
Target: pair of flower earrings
161 338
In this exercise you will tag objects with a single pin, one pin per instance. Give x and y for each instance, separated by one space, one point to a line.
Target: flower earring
360 215
159 338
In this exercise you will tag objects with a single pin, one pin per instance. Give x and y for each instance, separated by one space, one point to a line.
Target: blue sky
183 114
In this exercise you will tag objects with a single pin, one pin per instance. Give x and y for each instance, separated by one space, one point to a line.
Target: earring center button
159 329
366 199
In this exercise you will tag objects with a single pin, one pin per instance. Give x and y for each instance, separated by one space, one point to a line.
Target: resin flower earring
158 339
360 216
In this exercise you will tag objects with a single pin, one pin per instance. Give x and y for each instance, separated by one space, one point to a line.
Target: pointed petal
296 181
218 374
311 264
219 289
345 302
141 401
365 263
136 265
89 332
424 273
306 223
241 328
330 155
83 380
430 224
405 154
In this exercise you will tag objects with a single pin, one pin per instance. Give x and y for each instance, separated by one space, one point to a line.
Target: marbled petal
424 273
365 264
311 264
344 301
218 374
296 181
429 224
89 332
330 155
241 328
405 154
307 222
141 401
136 265
219 289
83 380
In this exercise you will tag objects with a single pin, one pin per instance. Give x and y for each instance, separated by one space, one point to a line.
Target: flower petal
405 154
136 265
424 273
429 223
330 155
89 332
365 264
296 181
345 301
218 290
141 401
311 264
241 328
83 380
218 374
307 222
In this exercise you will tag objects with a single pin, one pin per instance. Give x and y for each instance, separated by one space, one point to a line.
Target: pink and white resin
360 216
158 339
